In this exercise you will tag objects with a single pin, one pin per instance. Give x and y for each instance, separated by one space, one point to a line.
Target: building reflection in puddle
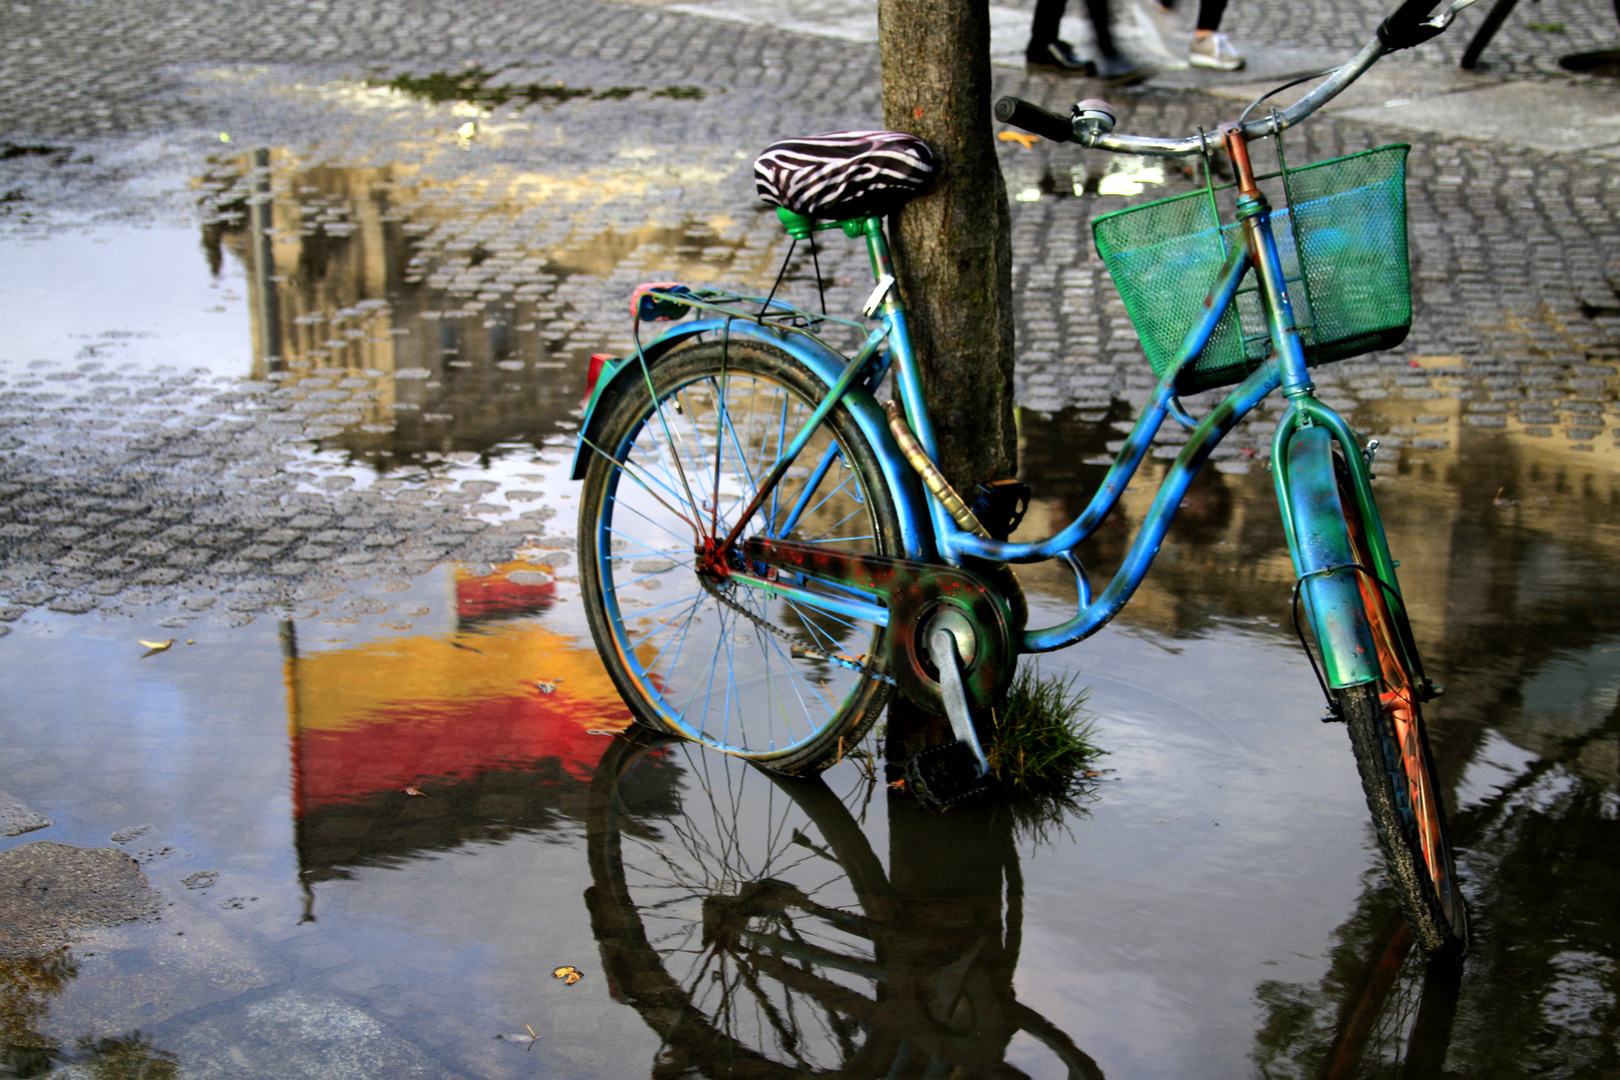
469 308
407 745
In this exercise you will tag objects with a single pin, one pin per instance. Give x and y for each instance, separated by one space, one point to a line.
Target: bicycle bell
1092 118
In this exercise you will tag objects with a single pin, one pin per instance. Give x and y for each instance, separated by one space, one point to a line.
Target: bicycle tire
716 664
1396 766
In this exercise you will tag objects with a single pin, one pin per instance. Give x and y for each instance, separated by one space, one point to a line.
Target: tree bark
953 253
953 244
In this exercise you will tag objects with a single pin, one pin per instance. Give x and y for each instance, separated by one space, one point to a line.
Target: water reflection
1509 545
751 924
427 329
1537 994
28 984
410 744
756 931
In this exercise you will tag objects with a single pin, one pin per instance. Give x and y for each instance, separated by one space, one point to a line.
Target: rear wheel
678 457
1397 767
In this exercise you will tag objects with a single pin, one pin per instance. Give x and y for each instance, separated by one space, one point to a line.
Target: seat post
877 248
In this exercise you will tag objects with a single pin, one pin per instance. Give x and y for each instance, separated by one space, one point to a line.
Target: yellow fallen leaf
569 975
413 791
157 646
1023 139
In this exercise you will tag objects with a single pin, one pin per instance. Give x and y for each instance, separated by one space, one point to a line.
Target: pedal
1000 506
945 776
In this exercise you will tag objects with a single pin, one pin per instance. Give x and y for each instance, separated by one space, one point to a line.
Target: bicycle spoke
627 471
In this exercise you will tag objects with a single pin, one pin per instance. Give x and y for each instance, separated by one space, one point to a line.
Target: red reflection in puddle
502 695
401 743
499 595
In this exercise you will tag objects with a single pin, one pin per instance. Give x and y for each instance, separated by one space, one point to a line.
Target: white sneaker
1162 33
1214 51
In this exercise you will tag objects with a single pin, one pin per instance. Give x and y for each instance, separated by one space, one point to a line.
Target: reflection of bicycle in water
1384 1010
747 919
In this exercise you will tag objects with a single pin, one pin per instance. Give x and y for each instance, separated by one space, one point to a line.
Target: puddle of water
387 806
365 272
1604 62
184 316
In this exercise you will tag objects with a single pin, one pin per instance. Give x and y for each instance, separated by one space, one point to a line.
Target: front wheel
1396 766
677 459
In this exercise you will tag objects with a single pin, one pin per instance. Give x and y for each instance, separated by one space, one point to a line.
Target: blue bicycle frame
1313 517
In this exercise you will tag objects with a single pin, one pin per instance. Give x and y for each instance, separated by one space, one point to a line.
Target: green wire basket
1342 239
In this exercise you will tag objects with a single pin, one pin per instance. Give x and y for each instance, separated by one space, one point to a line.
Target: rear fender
910 503
1319 541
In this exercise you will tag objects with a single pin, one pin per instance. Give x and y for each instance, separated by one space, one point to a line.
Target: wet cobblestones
155 522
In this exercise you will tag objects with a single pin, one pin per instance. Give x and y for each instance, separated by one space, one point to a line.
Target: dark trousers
1044 30
1209 13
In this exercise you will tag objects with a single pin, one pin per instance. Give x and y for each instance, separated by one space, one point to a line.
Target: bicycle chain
800 646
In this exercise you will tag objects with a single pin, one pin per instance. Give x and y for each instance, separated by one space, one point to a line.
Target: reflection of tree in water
1540 993
749 922
27 985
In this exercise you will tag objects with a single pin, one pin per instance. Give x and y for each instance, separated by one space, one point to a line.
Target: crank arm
942 650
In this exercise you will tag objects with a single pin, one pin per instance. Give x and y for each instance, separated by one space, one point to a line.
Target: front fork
1308 493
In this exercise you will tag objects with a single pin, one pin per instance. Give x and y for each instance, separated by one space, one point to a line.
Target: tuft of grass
1545 27
1042 744
1043 754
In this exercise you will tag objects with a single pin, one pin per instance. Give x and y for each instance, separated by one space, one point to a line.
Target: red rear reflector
598 362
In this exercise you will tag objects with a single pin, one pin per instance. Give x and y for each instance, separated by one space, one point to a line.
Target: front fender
827 365
1320 545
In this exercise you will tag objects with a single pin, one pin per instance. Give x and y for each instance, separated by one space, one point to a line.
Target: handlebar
1408 25
1034 119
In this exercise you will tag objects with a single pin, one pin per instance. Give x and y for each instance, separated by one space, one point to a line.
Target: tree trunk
953 245
953 251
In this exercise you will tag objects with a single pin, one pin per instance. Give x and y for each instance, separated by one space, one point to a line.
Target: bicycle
766 555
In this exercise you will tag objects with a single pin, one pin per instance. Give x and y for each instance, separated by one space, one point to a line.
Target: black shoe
1122 71
1058 57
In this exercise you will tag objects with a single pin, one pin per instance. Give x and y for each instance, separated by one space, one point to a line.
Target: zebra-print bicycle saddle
844 174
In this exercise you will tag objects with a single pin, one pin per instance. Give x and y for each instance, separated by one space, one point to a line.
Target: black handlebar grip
1404 28
1034 119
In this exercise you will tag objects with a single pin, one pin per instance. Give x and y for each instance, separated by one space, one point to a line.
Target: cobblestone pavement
611 145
